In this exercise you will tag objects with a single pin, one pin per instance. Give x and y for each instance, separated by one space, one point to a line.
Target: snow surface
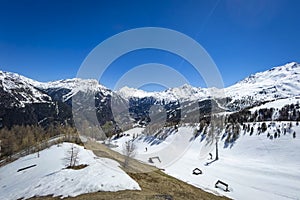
50 177
279 103
255 167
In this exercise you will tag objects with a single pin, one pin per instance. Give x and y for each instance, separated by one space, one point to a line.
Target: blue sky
48 39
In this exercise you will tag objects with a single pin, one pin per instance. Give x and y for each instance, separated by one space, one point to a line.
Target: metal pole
217 151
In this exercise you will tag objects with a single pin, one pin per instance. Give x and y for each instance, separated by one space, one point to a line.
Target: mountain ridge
266 85
22 96
127 92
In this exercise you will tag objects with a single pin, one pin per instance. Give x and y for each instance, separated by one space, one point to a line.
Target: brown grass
77 167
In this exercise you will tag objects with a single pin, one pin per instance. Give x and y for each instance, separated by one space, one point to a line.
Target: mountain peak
278 82
128 92
287 67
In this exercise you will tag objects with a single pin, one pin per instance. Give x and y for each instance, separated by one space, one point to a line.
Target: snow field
50 177
253 167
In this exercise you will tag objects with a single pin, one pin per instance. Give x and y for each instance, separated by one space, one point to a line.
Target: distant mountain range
26 101
278 82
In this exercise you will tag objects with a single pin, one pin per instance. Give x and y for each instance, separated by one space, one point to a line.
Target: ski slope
254 167
278 103
50 177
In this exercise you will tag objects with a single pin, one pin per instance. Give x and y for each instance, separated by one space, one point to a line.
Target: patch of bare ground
77 167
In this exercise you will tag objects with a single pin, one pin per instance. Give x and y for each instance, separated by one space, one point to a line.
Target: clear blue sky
48 39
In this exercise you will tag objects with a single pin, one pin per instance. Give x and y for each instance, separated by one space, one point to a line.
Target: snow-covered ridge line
278 82
183 93
21 88
278 69
64 83
26 90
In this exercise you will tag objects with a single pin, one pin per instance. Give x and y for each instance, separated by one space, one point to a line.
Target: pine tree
248 127
263 127
251 132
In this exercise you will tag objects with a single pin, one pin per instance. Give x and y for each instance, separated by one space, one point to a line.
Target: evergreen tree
263 127
252 129
248 127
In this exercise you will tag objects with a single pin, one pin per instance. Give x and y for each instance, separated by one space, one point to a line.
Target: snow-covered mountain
26 101
73 86
18 92
184 93
278 82
26 90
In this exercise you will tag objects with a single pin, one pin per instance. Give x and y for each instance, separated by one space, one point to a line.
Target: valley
168 135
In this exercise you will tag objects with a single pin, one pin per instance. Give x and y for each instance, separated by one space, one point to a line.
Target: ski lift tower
217 151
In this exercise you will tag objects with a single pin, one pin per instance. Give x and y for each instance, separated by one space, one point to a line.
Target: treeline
211 126
32 138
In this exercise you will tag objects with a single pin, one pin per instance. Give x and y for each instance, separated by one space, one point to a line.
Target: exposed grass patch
77 167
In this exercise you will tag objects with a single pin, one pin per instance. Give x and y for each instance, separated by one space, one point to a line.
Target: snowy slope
278 82
50 178
75 85
21 88
255 167
279 103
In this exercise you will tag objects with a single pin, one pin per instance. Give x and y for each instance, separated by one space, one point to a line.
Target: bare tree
72 158
129 150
